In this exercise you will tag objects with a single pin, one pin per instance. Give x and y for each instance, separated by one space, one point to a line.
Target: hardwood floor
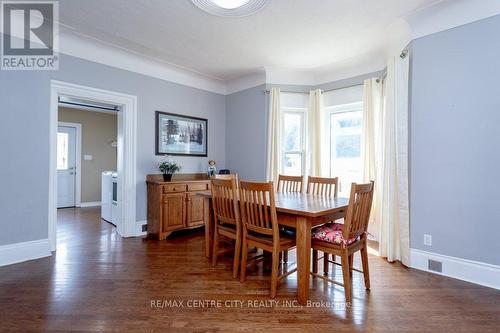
98 281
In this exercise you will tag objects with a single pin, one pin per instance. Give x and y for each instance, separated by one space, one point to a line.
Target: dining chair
261 229
228 176
227 218
328 187
346 239
290 183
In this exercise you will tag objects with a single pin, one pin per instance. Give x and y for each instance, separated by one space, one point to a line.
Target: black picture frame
161 135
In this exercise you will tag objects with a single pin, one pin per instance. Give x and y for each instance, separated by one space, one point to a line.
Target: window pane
292 129
62 151
348 146
292 164
345 137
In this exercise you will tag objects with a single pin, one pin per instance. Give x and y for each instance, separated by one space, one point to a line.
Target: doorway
126 154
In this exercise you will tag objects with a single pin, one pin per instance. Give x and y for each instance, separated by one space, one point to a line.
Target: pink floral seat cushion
331 233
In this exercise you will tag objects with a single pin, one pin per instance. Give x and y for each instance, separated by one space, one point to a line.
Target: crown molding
246 82
449 14
351 68
106 54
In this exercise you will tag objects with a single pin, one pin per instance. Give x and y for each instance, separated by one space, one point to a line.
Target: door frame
126 152
78 159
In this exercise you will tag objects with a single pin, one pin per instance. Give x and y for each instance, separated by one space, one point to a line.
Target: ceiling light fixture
231 8
230 4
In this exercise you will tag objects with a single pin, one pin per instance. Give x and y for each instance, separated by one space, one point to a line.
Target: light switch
87 157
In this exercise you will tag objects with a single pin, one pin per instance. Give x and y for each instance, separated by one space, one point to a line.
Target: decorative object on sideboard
212 169
168 168
181 135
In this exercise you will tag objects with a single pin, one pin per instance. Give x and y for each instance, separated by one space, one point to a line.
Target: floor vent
436 266
144 228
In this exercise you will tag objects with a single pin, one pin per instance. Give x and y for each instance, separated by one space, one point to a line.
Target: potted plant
168 168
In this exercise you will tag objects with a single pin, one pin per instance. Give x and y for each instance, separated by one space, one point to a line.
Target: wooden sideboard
175 205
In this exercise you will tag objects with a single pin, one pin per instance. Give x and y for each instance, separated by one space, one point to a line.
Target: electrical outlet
427 239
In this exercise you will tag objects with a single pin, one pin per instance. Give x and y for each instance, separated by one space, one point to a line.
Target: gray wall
24 149
455 142
24 135
246 132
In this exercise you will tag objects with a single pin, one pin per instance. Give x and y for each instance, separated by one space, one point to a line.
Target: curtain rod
326 90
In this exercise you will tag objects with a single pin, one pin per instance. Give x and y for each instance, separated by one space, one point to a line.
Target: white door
66 166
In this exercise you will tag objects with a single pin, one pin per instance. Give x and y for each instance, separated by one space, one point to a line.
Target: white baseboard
138 228
90 204
19 252
463 269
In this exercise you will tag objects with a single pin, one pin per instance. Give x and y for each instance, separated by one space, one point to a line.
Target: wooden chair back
328 187
258 208
290 183
225 201
229 176
358 212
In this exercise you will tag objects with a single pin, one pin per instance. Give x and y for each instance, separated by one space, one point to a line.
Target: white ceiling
289 41
312 35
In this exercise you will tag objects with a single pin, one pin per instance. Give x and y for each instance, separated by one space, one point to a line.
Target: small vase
167 177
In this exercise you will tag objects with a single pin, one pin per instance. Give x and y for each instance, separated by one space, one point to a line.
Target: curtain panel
274 137
385 156
371 144
314 131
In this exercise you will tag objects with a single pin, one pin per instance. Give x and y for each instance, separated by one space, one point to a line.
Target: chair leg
315 261
244 253
351 263
364 261
326 264
274 273
237 256
285 256
215 248
347 276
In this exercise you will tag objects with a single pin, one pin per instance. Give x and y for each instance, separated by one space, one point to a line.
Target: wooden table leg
303 258
209 227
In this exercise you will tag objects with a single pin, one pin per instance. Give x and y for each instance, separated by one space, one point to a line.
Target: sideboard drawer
197 187
174 188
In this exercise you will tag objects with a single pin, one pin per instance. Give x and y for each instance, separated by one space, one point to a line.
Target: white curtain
371 143
393 186
313 160
274 136
386 159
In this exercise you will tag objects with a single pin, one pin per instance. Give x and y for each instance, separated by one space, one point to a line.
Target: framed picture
181 135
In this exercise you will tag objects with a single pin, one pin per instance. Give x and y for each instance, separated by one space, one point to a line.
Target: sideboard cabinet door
173 211
195 210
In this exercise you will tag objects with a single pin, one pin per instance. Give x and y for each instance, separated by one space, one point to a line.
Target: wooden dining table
297 210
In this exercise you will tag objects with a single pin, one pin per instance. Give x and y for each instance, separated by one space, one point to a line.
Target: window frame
303 114
338 109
